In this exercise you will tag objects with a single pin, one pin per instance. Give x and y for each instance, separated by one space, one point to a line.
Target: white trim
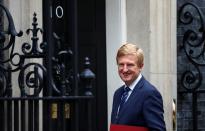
114 39
123 20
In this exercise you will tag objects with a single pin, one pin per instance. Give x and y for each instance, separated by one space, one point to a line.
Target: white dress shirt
132 86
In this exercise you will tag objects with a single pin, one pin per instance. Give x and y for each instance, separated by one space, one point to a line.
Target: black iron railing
46 100
192 52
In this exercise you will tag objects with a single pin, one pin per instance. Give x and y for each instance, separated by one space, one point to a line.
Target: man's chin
126 80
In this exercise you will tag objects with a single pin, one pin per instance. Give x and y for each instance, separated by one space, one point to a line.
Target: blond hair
131 49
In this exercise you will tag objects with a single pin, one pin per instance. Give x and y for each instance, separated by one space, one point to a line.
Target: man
141 105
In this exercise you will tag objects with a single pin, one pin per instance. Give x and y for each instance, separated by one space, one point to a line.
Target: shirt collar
132 86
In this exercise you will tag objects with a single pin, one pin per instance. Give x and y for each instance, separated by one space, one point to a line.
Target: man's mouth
126 75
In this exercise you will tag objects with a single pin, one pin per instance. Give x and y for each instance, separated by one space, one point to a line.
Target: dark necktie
123 99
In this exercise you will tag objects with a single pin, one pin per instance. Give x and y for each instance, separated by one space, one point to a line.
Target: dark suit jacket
143 108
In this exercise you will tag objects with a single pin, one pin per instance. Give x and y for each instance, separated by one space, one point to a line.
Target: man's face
128 69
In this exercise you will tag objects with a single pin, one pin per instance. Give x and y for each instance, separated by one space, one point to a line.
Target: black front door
80 26
191 65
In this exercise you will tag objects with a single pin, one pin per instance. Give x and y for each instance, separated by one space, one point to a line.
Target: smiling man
137 103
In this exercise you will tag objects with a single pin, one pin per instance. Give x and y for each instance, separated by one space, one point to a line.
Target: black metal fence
191 62
33 98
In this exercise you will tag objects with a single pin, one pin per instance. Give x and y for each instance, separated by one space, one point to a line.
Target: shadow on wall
174 114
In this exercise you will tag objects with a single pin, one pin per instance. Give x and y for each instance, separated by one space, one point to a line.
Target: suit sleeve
153 111
114 106
113 114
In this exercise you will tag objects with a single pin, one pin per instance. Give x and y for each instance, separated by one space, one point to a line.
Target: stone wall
151 24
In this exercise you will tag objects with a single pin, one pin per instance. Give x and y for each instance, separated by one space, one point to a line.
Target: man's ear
141 66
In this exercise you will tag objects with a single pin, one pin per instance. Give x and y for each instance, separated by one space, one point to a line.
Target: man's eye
126 65
130 65
120 65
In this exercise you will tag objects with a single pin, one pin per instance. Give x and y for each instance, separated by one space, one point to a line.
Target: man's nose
125 68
